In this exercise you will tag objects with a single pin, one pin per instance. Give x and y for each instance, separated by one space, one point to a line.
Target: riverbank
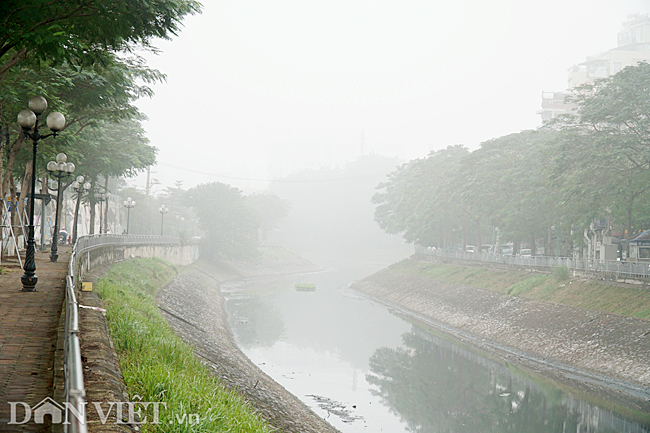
195 309
592 350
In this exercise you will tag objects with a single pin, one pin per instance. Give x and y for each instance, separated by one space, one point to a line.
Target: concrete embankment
592 349
194 307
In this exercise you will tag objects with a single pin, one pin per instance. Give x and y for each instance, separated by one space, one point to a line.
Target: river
364 368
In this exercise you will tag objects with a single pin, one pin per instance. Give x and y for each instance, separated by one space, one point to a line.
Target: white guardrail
611 267
75 392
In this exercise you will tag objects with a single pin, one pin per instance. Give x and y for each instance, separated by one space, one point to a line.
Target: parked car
525 252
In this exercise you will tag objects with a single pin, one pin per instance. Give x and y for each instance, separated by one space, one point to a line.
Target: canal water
365 369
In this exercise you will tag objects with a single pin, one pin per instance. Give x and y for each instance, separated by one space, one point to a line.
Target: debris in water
335 408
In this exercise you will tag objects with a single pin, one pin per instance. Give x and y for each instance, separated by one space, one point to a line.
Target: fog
331 215
260 90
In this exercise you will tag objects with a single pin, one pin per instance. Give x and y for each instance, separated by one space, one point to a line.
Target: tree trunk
629 231
76 214
465 234
106 206
532 245
479 244
4 143
13 213
11 159
91 229
26 191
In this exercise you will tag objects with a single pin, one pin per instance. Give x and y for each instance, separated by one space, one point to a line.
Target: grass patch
558 287
157 365
524 286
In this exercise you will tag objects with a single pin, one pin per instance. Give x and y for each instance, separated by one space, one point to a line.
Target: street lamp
28 121
163 210
80 187
58 169
128 204
101 196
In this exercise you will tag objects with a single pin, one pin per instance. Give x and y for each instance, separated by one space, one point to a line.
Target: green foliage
536 186
157 365
80 57
522 287
602 157
561 273
417 200
230 226
84 33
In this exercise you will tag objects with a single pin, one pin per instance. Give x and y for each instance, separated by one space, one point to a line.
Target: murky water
365 369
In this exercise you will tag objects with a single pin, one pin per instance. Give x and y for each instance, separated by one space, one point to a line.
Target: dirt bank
194 307
593 349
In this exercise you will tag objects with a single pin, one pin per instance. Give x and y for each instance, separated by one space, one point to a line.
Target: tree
603 151
269 208
506 182
83 32
93 97
230 226
417 199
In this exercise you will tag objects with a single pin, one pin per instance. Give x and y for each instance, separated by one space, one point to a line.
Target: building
633 46
554 104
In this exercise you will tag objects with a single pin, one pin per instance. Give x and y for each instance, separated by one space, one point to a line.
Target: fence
586 266
73 372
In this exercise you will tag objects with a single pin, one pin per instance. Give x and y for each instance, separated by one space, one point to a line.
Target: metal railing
75 392
611 267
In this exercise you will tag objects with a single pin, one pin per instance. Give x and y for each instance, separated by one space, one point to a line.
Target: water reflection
437 386
256 321
367 370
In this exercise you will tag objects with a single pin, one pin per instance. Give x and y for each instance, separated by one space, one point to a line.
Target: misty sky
258 89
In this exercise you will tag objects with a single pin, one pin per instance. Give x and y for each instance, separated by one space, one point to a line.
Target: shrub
561 273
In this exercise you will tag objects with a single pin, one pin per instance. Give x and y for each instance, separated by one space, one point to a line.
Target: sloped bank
195 309
596 351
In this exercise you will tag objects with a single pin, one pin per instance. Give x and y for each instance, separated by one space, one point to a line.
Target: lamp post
58 169
163 210
128 204
28 121
101 196
80 187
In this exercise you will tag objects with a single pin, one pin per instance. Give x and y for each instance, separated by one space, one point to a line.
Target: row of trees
82 57
542 187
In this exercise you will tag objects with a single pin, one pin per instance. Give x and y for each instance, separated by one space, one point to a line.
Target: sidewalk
28 333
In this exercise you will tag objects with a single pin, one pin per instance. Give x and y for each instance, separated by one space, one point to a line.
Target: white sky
258 88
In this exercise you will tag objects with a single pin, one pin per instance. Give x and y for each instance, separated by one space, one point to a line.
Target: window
644 253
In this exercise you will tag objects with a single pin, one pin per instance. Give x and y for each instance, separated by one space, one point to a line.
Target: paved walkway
28 333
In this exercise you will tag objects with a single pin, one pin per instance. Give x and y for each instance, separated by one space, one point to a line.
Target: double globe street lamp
80 187
28 121
128 204
59 169
163 210
101 196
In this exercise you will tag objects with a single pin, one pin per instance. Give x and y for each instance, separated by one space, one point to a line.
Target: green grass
558 287
157 365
